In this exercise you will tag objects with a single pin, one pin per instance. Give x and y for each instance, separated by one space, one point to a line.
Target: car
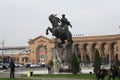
43 65
3 66
18 65
27 65
33 65
38 65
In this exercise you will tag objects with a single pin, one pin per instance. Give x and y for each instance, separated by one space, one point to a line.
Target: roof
16 47
32 40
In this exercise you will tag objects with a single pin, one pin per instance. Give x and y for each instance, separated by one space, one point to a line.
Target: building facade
18 54
40 49
108 46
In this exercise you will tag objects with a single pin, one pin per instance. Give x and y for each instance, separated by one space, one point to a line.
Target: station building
40 48
108 46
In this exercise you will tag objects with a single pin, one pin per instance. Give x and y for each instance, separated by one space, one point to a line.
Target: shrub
74 64
97 61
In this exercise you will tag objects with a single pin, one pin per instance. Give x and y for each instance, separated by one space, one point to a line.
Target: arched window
41 54
25 59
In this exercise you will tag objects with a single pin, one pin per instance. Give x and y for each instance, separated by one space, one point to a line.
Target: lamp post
2 50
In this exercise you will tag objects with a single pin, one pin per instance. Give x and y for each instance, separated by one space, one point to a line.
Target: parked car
43 65
30 65
3 66
27 65
18 65
33 65
38 65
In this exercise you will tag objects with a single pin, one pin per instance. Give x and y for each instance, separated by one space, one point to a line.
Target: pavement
7 75
23 74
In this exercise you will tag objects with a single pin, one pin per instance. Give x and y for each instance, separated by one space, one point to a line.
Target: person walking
12 68
113 72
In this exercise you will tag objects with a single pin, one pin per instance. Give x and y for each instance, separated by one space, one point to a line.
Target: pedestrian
49 70
101 73
113 72
12 68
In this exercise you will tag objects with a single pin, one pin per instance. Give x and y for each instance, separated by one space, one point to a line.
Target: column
82 53
118 49
90 52
110 54
101 49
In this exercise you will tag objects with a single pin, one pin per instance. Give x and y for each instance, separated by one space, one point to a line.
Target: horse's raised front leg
47 31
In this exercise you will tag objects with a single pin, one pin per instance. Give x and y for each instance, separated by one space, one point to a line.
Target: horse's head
54 20
52 16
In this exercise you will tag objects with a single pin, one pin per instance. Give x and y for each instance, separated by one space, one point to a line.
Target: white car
18 65
33 65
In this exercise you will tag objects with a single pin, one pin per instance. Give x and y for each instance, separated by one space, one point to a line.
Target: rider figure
65 23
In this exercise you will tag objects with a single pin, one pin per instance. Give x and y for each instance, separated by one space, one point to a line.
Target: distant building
19 54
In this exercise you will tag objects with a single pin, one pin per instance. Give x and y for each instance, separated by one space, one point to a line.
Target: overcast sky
21 20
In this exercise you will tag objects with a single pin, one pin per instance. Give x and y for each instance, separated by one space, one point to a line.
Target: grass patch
78 76
71 76
14 79
65 76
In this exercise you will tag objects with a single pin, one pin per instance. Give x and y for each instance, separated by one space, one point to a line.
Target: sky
21 20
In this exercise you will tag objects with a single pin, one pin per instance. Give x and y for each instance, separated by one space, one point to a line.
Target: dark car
27 65
3 66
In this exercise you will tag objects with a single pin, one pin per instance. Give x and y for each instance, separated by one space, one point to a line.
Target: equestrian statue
60 29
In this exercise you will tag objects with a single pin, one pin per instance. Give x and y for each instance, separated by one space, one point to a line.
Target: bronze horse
59 32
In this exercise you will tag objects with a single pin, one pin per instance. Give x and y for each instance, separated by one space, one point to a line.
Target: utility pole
2 50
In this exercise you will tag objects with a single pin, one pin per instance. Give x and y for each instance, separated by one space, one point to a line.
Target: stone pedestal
61 59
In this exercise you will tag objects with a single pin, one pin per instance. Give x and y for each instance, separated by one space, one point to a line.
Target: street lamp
2 50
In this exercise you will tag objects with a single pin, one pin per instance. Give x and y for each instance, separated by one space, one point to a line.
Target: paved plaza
6 75
18 74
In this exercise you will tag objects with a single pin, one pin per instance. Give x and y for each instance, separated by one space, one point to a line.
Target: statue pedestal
68 57
61 59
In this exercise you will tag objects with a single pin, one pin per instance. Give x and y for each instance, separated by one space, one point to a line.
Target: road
6 75
22 72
